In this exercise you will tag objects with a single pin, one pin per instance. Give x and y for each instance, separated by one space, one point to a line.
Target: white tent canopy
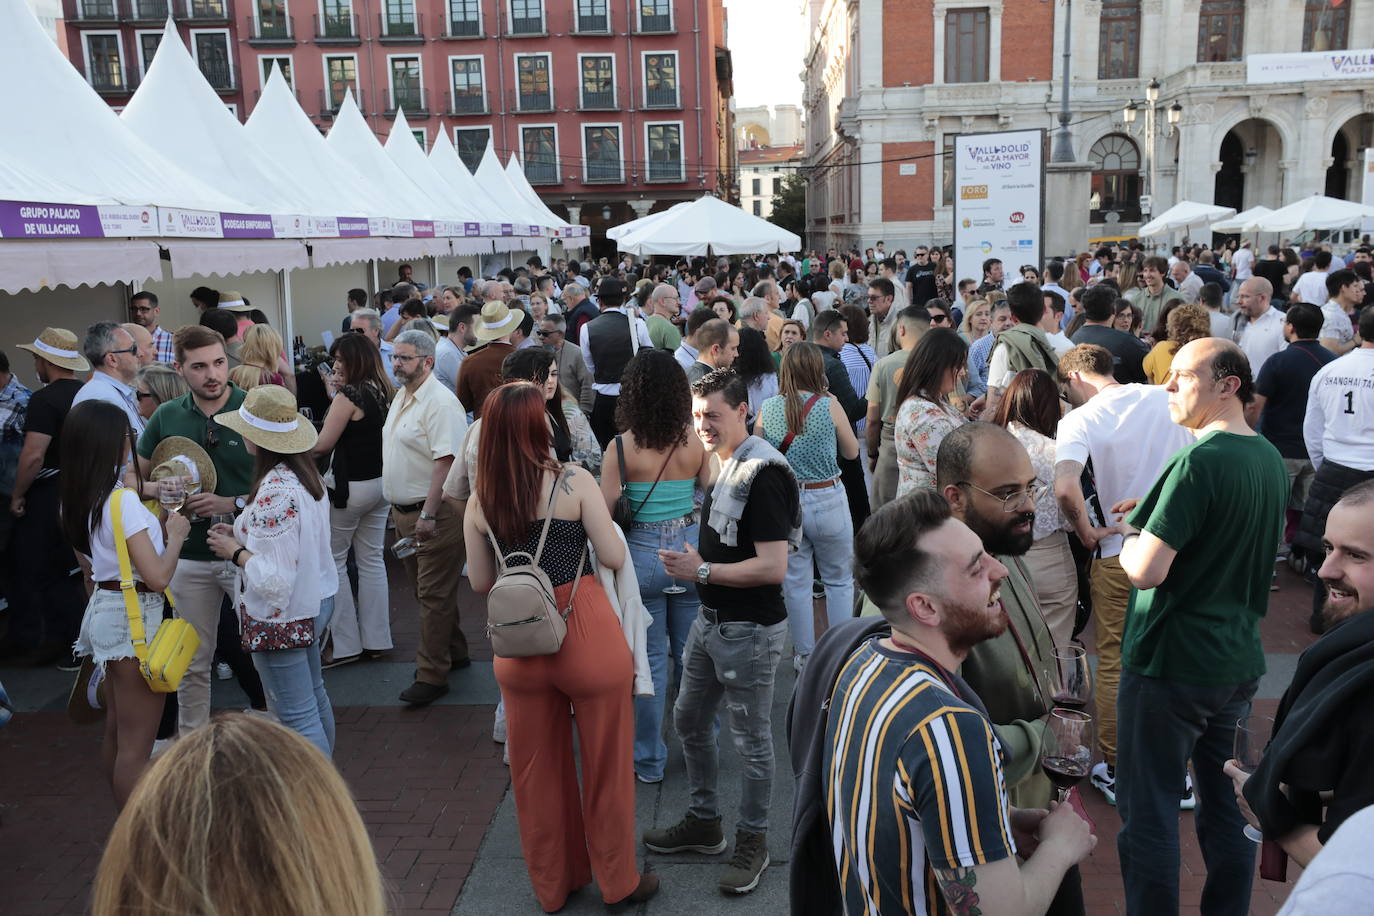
635 225
1316 212
491 175
1241 220
446 203
352 139
1184 215
445 161
706 226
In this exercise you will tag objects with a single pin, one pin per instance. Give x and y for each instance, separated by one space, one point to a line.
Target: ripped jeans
736 662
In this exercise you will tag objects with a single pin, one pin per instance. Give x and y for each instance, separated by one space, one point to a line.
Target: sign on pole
999 200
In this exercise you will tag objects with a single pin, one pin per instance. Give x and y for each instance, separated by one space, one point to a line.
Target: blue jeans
673 616
294 685
1161 725
828 536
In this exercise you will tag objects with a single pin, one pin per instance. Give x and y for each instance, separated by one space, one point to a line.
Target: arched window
1115 180
1118 47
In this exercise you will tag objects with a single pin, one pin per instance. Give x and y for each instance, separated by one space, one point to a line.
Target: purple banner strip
246 226
353 227
24 220
423 228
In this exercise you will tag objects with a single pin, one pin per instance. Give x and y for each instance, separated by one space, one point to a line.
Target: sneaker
223 671
799 663
1104 780
746 866
1188 800
691 834
646 780
498 726
817 589
331 662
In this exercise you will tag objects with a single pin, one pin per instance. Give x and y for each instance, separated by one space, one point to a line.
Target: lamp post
1063 140
1173 115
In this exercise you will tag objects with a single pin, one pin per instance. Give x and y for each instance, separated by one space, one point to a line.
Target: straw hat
59 347
177 456
233 301
496 321
269 419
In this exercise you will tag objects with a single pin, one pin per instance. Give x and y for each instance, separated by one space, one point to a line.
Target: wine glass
670 538
227 571
171 493
192 486
1075 686
1066 753
1252 736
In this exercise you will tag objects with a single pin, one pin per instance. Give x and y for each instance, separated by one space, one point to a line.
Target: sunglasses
545 333
142 395
939 319
211 433
133 350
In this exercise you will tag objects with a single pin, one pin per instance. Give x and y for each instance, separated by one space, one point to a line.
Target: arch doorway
1343 176
1249 173
1115 180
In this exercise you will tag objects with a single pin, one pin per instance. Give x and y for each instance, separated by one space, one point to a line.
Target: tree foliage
789 204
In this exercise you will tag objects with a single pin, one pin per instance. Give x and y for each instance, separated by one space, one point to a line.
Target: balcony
526 27
465 28
91 12
401 30
467 102
524 102
108 81
665 169
336 30
541 170
661 98
593 23
149 11
275 31
219 77
656 23
204 12
602 100
603 171
329 105
414 102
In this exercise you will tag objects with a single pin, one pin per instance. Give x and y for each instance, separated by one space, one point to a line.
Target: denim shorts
104 632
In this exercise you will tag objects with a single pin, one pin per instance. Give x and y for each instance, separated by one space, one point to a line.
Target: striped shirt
166 349
913 782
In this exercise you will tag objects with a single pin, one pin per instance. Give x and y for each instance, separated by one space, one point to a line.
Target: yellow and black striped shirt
913 782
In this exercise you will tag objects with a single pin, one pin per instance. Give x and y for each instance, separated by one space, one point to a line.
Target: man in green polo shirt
1156 294
202 361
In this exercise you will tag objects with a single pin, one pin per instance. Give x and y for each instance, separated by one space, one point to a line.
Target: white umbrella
1315 212
708 225
1184 214
1241 221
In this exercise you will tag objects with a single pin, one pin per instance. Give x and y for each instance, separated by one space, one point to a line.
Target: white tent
443 158
491 175
1242 219
515 174
707 226
1315 212
451 209
635 225
1184 215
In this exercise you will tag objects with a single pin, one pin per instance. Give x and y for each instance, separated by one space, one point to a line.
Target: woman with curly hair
656 462
1180 323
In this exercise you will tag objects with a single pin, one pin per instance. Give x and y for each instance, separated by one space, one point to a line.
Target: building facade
890 83
760 125
761 171
615 109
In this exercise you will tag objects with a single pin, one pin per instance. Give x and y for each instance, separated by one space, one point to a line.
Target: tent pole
284 287
376 280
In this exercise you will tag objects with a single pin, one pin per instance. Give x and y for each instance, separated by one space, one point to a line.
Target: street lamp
1173 114
1063 140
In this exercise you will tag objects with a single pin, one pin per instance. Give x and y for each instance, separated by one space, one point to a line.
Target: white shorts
105 625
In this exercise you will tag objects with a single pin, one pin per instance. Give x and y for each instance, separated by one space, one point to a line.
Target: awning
76 262
205 257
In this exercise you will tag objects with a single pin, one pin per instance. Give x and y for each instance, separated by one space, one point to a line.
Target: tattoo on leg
957 886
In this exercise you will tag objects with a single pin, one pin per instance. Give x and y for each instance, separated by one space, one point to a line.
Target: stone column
574 213
1310 176
641 207
1068 185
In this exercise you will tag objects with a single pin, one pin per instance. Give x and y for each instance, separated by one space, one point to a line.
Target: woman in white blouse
287 577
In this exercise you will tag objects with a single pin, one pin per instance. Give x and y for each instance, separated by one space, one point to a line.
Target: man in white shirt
1054 320
1223 325
1311 286
1124 435
1243 261
1262 335
1346 291
1188 283
113 355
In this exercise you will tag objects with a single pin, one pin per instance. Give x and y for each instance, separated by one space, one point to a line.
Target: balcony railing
665 169
110 81
394 29
593 23
527 25
218 76
336 30
661 98
532 101
270 30
656 22
464 28
329 103
467 102
541 170
97 10
414 102
603 171
205 10
600 100
149 11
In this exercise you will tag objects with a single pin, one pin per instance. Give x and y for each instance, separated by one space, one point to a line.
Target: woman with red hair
567 833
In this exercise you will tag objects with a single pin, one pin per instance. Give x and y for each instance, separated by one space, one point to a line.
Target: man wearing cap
144 310
424 430
202 361
481 370
114 355
46 602
609 341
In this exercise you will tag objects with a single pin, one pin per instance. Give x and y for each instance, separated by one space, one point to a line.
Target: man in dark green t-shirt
203 363
1199 550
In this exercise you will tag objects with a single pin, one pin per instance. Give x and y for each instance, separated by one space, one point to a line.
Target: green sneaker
691 834
746 867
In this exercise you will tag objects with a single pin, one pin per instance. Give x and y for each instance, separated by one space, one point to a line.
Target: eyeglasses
211 433
133 349
396 357
939 319
545 333
136 309
872 298
1011 501
145 394
357 330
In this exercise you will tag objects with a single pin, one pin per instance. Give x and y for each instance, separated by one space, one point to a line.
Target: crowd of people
922 491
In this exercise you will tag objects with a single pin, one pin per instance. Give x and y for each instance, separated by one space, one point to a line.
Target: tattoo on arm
957 886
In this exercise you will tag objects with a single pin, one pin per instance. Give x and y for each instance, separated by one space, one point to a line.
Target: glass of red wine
1252 737
1066 753
1075 686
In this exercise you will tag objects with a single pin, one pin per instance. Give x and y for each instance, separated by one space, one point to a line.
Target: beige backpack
523 619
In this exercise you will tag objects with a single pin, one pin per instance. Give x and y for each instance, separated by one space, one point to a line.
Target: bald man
664 305
147 350
1262 335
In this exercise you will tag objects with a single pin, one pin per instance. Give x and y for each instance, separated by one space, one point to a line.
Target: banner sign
999 181
352 227
195 224
1299 66
118 222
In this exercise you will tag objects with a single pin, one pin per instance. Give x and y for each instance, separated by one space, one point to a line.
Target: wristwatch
425 516
240 503
704 573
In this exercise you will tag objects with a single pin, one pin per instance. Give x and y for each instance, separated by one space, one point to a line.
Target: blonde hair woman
286 839
1183 323
263 361
977 320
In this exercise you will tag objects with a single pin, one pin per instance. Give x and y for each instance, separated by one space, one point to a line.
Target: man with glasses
144 310
572 369
113 355
881 315
368 322
663 307
920 276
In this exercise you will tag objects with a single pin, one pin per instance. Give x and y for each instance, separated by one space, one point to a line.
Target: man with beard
1315 772
901 718
1199 549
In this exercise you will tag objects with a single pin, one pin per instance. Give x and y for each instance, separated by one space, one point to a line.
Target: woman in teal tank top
812 438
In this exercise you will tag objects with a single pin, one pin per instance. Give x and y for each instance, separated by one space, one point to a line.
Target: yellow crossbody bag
167 659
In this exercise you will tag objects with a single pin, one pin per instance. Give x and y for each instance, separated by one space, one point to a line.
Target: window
405 84
1220 30
660 80
664 143
281 63
593 16
966 46
208 9
598 80
601 148
104 67
758 186
469 96
272 19
338 19
1326 25
526 17
539 154
212 56
655 15
533 90
471 143
777 186
419 135
150 10
464 17
1118 41
340 74
400 17
1115 180
147 43
97 9
758 208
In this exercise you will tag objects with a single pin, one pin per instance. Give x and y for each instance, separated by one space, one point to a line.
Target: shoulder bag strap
645 501
620 458
137 634
563 471
787 439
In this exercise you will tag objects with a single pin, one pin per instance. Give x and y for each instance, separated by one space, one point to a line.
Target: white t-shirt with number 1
1340 412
